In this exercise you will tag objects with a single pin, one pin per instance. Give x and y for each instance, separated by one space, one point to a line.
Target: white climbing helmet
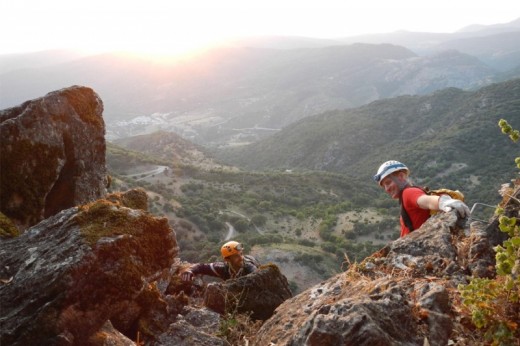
387 168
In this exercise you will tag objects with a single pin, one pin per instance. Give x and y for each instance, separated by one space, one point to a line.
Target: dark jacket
223 270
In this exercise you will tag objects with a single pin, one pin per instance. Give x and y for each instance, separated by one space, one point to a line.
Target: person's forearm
428 202
205 269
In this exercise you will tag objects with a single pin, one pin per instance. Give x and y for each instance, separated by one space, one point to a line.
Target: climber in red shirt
415 203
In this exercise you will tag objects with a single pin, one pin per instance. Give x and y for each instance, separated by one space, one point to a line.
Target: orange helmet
231 248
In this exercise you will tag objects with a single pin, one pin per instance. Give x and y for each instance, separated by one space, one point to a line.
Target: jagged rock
182 333
73 272
399 296
484 237
109 336
203 319
194 326
361 312
481 254
260 293
53 155
432 251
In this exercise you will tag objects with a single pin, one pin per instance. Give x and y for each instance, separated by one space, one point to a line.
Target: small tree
259 219
494 304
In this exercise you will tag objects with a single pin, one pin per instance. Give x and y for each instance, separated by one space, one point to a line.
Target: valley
306 192
307 233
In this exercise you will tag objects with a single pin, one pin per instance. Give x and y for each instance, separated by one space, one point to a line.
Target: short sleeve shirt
417 215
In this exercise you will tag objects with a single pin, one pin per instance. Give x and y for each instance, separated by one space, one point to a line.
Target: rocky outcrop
405 294
195 327
53 155
109 336
71 273
258 293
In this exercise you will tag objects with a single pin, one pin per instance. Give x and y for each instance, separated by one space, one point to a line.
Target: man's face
235 260
392 184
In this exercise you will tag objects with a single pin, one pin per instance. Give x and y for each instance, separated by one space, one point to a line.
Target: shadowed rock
53 155
194 327
109 336
258 293
73 272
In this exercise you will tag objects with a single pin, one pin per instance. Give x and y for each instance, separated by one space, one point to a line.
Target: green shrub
494 303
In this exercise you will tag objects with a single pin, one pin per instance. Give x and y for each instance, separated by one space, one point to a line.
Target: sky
175 27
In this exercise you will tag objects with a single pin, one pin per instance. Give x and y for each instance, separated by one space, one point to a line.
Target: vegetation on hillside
257 203
121 160
447 138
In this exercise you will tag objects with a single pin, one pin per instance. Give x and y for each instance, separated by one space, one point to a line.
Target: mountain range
448 138
252 88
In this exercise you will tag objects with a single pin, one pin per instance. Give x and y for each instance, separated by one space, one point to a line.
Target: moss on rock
7 227
134 199
108 219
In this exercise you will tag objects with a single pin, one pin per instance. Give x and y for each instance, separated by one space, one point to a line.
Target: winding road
143 175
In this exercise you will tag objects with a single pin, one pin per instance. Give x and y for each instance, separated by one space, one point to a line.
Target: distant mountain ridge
493 28
238 95
477 40
250 89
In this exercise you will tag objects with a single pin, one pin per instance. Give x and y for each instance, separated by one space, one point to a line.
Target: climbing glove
187 276
446 203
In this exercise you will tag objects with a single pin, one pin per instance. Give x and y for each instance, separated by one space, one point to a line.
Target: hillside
307 221
236 95
169 147
448 138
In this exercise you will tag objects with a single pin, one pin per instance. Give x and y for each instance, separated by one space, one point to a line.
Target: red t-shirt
417 215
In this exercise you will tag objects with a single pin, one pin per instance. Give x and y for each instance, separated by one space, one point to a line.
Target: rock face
53 155
73 272
194 327
402 295
258 293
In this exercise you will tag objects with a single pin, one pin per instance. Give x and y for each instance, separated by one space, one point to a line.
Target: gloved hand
187 276
446 203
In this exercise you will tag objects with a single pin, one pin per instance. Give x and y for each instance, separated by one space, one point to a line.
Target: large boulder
109 336
258 293
53 155
67 276
193 327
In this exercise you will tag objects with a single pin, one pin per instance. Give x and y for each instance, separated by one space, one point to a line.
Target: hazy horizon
171 28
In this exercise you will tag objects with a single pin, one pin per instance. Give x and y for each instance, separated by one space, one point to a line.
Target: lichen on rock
7 227
134 199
